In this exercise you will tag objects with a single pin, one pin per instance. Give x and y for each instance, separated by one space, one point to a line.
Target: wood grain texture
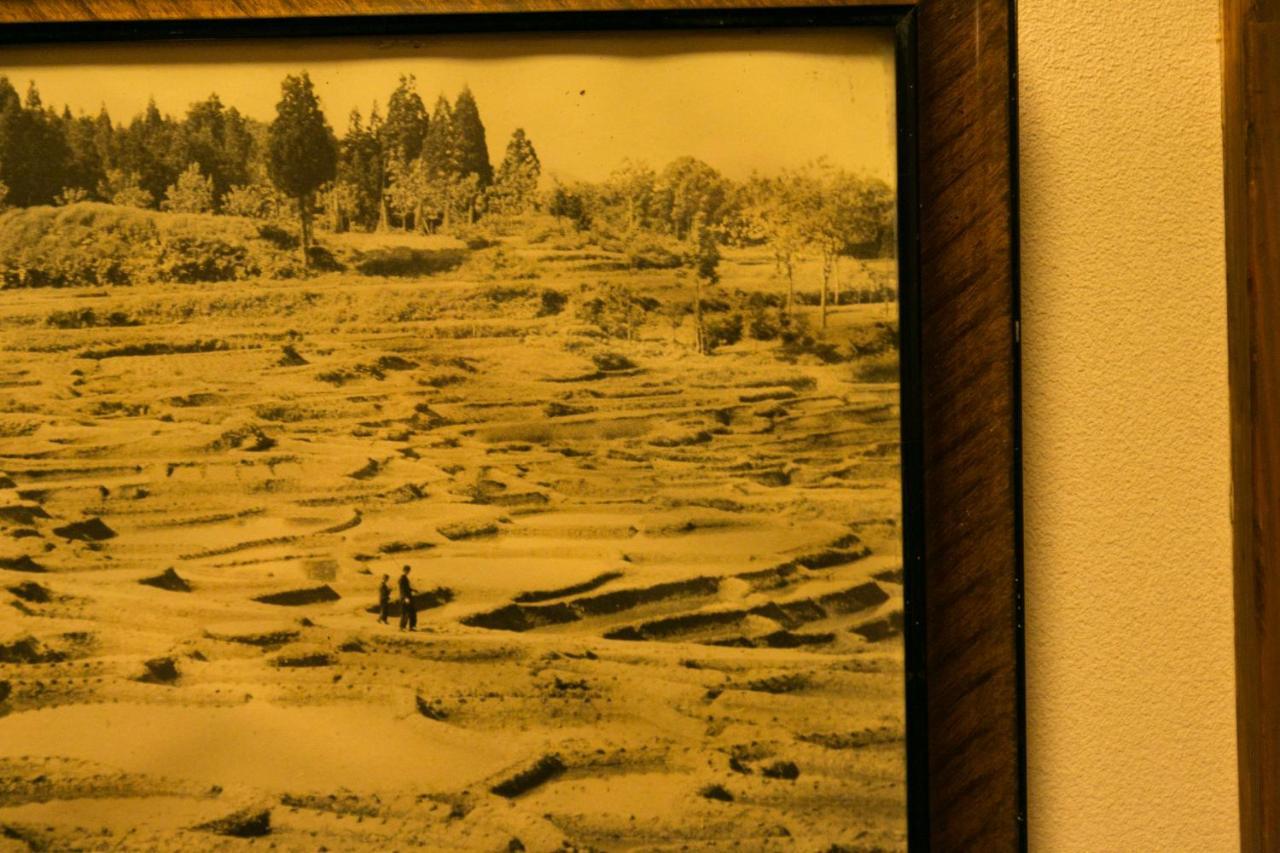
42 11
968 365
1251 137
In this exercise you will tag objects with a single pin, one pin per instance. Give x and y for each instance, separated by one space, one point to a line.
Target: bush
553 302
191 193
499 264
612 361
758 300
254 201
100 244
190 259
615 311
86 318
649 254
722 331
407 262
799 343
874 339
764 326
279 237
882 367
475 237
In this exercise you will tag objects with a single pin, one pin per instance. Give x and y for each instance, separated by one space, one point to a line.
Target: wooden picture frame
961 432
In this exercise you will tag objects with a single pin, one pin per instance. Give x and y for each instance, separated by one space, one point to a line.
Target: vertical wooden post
1251 140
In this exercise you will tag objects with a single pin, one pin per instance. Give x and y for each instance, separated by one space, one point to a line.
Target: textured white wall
1129 619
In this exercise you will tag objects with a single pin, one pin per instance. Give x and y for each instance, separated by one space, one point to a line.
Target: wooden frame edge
968 270
1251 147
57 11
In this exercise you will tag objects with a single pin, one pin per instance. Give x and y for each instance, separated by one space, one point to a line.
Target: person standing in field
408 613
384 598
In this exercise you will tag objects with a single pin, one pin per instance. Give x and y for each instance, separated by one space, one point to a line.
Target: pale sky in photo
741 101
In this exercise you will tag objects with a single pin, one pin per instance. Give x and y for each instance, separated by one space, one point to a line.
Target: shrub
278 237
253 201
722 331
499 264
797 342
407 262
99 244
475 237
649 254
552 303
122 188
611 361
70 195
760 299
191 193
764 326
85 318
192 259
615 311
882 367
874 339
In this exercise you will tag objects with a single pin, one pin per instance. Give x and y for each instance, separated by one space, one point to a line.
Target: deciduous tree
516 184
193 192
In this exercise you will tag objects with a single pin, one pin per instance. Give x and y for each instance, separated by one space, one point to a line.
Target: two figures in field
408 610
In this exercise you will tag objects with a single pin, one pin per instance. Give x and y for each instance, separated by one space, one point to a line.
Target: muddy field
660 591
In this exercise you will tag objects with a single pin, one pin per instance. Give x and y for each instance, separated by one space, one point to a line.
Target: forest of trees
409 168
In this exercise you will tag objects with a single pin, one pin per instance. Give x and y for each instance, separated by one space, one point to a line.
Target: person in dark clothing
384 598
408 613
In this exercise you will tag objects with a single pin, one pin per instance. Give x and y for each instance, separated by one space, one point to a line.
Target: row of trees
423 171
815 210
48 157
213 159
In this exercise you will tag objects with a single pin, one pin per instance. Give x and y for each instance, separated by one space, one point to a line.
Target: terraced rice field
660 591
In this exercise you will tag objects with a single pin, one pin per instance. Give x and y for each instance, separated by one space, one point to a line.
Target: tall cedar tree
33 148
150 150
302 151
468 133
517 179
441 159
217 139
360 173
84 167
403 131
439 148
104 139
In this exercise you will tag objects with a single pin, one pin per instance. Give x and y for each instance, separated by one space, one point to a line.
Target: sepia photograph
460 442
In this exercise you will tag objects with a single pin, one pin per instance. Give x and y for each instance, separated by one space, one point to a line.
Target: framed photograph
524 426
